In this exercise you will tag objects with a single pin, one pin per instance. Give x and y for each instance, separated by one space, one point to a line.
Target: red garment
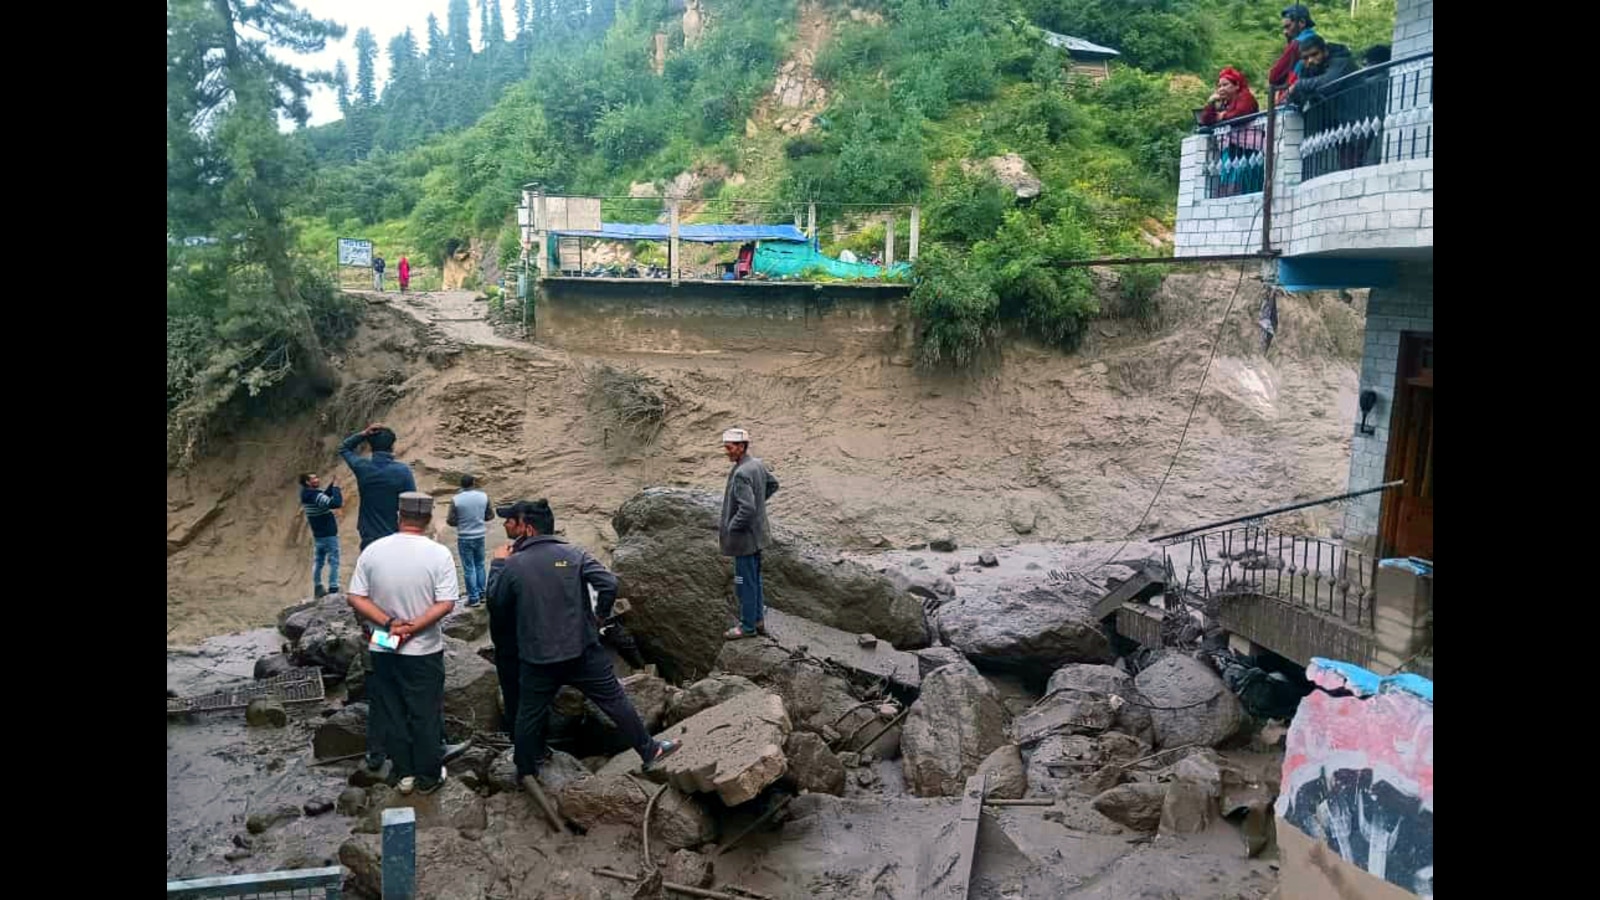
1282 73
1243 103
405 270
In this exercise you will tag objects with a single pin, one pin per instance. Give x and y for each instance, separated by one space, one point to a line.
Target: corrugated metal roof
1077 45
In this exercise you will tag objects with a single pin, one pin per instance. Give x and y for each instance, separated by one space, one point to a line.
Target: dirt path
459 315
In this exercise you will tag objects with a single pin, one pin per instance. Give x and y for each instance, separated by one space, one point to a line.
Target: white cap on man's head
736 436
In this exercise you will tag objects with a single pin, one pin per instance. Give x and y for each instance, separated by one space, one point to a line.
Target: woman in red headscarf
405 273
1230 100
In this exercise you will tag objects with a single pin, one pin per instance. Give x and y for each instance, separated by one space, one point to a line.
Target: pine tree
458 19
484 37
366 69
519 8
341 87
438 48
230 173
497 25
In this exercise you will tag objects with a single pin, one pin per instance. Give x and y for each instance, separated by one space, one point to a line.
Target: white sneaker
408 784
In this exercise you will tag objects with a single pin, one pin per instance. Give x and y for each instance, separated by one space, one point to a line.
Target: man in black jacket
541 584
1321 64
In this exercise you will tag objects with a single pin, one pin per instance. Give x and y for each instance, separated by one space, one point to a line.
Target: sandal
737 633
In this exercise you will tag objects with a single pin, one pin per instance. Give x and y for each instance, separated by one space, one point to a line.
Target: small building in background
1089 60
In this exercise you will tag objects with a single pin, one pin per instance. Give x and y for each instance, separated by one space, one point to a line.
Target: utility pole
672 252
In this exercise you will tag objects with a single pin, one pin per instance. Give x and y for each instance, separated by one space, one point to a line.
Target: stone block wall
1413 28
1408 306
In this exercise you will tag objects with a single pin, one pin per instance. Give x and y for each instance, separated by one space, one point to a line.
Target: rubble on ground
957 721
1192 706
734 749
1035 629
704 694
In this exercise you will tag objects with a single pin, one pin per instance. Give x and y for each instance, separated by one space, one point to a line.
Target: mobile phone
385 642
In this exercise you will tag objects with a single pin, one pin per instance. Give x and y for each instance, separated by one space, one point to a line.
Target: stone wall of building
1408 306
1413 28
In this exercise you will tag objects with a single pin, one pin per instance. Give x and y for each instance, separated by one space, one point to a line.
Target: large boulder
1033 629
704 694
681 586
1132 718
1136 805
647 692
612 796
342 734
957 721
329 641
814 767
1192 705
294 620
1006 778
733 750
467 624
471 687
1015 174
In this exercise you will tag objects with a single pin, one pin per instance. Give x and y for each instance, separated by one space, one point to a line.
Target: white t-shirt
404 574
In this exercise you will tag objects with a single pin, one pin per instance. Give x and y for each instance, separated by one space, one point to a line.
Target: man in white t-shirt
404 584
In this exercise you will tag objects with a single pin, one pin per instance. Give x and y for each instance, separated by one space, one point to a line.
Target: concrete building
1344 200
1351 206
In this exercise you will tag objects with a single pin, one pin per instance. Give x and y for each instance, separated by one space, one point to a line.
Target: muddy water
220 770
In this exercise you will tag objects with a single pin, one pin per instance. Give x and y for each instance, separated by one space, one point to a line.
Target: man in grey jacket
743 530
539 597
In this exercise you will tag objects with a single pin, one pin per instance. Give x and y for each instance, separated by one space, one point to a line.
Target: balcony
1352 174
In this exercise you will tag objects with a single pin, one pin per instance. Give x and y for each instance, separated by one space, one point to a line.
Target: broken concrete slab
815 699
734 749
1066 712
1132 718
930 658
874 661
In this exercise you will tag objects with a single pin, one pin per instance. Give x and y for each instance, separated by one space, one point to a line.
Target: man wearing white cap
743 530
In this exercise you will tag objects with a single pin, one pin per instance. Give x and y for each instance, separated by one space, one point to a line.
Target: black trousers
508 669
590 673
405 695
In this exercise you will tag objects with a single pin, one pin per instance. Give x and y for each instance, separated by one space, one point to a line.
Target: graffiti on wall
1358 771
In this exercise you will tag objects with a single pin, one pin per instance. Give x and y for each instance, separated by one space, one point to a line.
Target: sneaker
663 749
317 592
474 601
375 762
409 784
333 589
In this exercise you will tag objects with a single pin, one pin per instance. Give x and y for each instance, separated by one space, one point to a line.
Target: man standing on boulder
744 532
380 480
541 584
404 584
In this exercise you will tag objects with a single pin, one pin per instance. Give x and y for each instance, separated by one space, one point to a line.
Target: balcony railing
1235 164
1380 114
1315 573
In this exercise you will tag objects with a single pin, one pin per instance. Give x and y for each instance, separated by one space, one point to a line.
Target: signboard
355 252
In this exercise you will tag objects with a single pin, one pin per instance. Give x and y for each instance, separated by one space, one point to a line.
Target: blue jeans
747 584
471 550
325 548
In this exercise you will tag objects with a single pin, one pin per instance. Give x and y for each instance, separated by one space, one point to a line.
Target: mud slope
870 452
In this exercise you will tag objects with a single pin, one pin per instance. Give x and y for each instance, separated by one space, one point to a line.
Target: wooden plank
266 882
967 836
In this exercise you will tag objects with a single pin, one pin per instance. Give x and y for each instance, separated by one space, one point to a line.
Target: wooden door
1407 528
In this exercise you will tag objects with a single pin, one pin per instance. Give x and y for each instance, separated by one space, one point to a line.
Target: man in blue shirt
469 512
318 505
380 480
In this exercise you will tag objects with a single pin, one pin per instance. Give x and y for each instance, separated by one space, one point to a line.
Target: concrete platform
882 661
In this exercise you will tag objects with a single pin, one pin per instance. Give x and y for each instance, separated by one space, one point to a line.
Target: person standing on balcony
1230 100
1321 64
1297 27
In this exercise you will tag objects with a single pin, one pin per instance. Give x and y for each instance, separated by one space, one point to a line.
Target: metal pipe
1281 509
1270 157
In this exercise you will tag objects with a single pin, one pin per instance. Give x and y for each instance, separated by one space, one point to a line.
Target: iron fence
1235 158
301 884
1380 114
1314 573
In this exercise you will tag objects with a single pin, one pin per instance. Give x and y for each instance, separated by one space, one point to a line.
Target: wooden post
811 221
888 241
672 250
399 853
916 232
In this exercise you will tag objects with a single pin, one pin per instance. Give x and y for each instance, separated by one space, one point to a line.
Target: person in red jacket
1297 26
405 274
1230 100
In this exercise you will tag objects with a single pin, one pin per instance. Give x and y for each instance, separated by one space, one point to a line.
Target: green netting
790 260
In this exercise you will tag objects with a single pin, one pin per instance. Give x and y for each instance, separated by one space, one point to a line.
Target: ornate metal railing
1235 162
1380 114
1316 573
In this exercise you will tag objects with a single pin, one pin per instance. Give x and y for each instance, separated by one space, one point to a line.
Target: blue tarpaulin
700 234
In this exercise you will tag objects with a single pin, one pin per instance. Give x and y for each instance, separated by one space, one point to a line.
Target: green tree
239 313
458 28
